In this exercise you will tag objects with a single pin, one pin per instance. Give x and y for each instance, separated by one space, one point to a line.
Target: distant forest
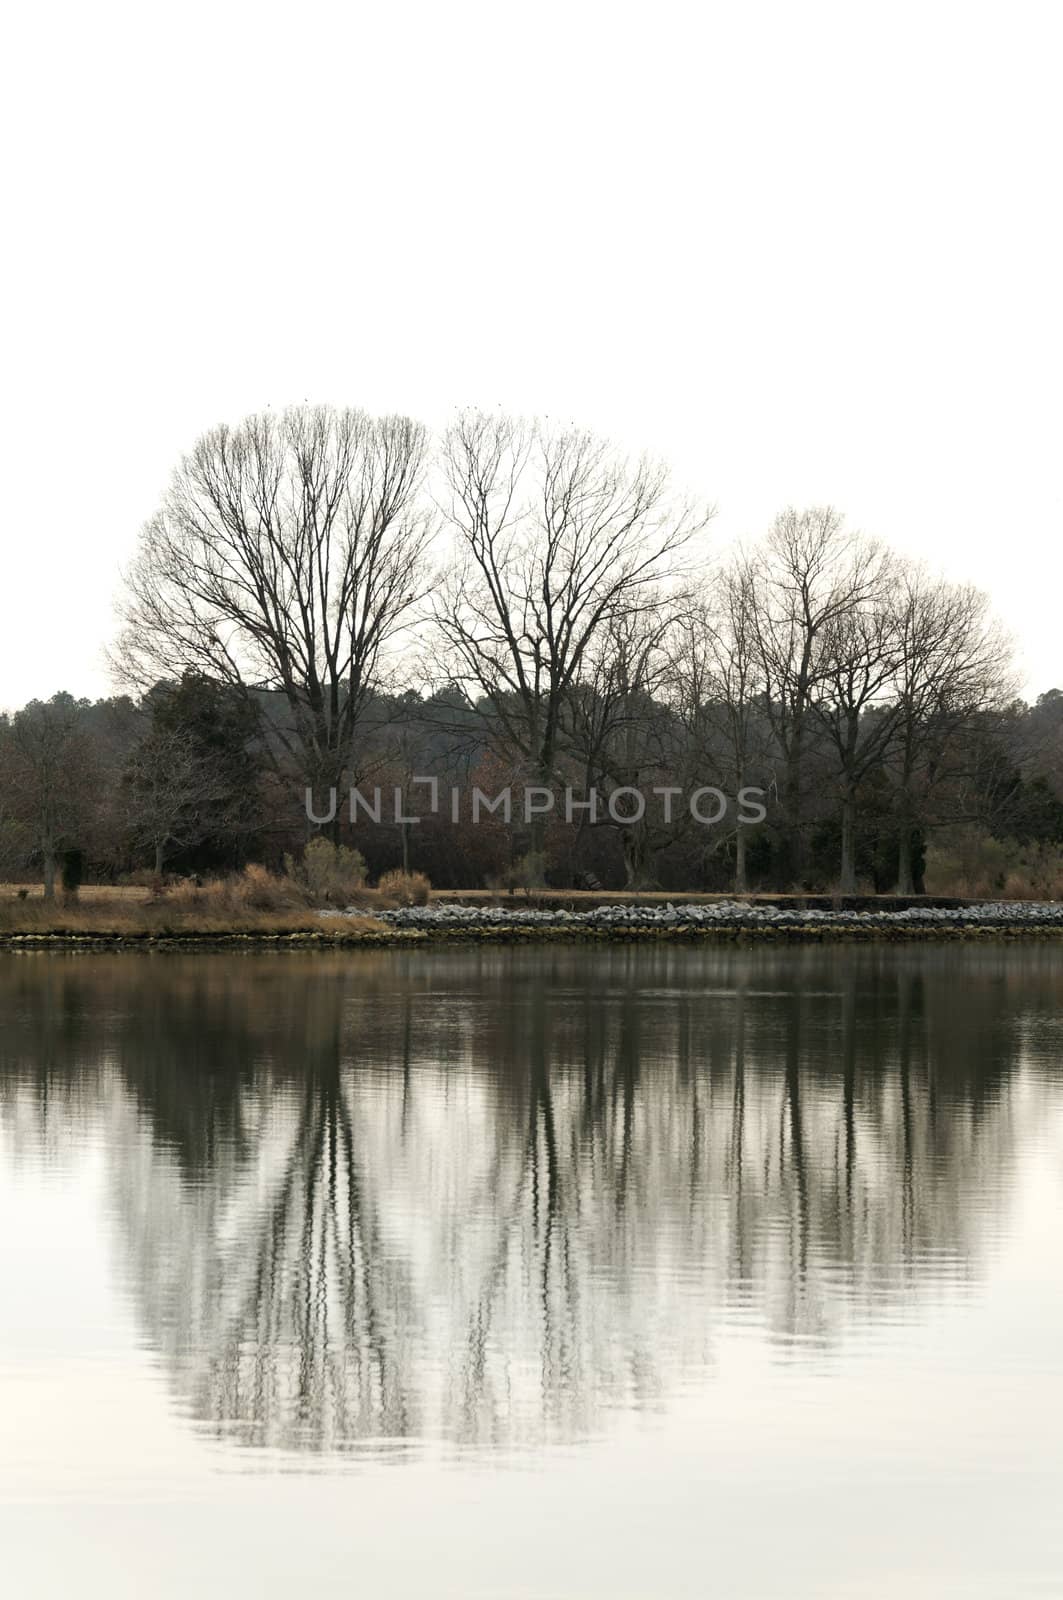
326 600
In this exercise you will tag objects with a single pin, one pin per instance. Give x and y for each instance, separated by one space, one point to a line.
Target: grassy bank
252 906
90 923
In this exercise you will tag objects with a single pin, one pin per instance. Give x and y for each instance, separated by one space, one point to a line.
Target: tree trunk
793 850
905 878
847 875
636 858
793 842
537 831
49 872
536 858
332 775
740 860
160 847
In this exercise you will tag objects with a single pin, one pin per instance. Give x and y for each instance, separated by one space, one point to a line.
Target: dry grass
970 864
254 902
404 888
112 894
158 921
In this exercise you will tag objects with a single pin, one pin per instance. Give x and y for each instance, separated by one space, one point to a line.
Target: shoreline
390 938
448 920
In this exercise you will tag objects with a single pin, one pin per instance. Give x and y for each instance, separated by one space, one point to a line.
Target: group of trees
324 599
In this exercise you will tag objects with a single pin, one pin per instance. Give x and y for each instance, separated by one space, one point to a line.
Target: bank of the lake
551 920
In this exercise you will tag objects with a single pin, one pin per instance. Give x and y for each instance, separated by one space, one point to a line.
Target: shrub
333 873
407 888
971 863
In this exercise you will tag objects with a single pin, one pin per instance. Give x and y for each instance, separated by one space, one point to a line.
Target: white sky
805 251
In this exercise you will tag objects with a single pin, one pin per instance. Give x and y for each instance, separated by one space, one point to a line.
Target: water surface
533 1272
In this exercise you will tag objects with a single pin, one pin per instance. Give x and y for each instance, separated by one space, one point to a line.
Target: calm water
540 1273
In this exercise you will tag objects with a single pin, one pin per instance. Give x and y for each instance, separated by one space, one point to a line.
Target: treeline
326 600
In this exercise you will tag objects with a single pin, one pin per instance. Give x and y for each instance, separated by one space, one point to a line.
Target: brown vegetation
252 902
971 864
404 888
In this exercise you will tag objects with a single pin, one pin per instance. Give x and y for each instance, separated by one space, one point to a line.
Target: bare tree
48 773
807 574
718 689
175 795
856 706
620 731
953 666
287 554
557 536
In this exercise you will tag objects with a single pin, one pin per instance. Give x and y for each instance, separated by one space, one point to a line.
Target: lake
544 1272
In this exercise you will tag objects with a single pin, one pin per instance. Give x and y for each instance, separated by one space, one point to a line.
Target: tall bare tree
953 666
806 575
856 705
557 535
718 689
287 554
48 772
621 734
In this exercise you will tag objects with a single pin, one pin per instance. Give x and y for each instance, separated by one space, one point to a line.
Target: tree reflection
490 1196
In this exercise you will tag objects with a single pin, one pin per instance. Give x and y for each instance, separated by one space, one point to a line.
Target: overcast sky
807 252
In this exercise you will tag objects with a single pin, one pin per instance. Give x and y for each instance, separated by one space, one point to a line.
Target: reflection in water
489 1196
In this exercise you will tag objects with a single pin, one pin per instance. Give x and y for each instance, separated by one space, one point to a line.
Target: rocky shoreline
732 915
685 922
